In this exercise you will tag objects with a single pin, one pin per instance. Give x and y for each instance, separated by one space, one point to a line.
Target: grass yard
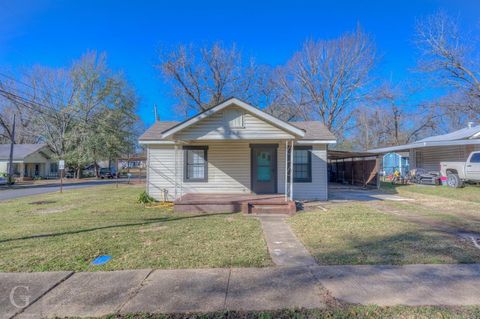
469 193
389 232
347 312
66 231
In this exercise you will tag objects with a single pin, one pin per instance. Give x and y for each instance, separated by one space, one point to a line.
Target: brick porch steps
229 203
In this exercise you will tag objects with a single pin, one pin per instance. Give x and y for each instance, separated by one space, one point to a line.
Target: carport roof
465 136
334 154
419 144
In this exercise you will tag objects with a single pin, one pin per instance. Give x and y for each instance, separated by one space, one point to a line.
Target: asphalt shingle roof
20 151
314 130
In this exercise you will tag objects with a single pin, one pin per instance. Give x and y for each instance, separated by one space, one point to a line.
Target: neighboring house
136 161
395 161
29 161
429 152
235 148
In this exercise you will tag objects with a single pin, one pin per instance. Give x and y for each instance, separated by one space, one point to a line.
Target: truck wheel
453 180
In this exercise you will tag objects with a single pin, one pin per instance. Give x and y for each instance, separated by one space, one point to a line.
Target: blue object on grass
100 260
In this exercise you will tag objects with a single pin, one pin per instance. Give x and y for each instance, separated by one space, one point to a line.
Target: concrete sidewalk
92 294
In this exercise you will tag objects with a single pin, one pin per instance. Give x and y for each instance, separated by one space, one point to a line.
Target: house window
233 118
302 164
54 168
195 162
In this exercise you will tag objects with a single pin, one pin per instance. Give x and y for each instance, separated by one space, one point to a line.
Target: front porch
229 203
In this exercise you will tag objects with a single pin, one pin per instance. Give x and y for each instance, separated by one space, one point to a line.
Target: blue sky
54 33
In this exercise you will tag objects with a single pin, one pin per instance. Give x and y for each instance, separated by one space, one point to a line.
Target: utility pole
155 111
10 161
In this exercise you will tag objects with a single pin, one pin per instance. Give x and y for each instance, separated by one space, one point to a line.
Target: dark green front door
264 168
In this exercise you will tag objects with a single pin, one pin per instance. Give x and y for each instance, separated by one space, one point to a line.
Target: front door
264 168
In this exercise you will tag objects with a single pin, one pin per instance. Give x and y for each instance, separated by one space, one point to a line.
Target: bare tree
201 77
26 131
450 56
391 118
327 79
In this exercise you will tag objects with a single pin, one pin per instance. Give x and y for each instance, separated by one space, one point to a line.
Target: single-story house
235 153
29 161
429 152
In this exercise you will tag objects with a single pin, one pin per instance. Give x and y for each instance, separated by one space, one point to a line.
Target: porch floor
228 203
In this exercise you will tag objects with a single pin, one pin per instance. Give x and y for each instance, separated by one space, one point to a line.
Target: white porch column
175 169
291 172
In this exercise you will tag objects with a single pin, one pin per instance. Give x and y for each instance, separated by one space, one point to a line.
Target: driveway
27 190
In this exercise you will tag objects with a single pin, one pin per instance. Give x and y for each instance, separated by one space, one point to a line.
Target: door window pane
264 161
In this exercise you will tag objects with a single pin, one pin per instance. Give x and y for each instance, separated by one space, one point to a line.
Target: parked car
105 173
3 180
457 173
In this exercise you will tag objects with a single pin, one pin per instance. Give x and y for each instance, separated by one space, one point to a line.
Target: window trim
185 164
240 114
309 164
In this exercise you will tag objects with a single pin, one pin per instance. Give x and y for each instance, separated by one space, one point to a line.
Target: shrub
144 198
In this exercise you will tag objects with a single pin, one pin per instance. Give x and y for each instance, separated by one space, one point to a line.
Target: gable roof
308 130
20 151
234 101
156 130
314 130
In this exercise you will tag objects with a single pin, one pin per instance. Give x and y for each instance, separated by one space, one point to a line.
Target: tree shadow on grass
418 247
146 221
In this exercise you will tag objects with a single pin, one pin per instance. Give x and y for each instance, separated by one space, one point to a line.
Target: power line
12 78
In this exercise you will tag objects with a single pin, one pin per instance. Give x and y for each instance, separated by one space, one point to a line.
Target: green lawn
469 193
373 233
66 231
348 312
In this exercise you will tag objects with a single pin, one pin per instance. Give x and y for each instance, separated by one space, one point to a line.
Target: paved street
27 190
62 294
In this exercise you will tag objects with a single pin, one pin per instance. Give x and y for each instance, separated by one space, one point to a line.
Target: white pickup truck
458 173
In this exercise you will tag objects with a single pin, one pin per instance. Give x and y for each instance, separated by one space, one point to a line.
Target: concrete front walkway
283 246
93 294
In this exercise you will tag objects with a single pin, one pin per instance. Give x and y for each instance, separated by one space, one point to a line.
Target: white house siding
429 158
228 171
161 171
215 127
318 188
